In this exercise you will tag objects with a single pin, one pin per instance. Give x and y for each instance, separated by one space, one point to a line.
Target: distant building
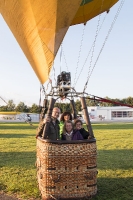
110 113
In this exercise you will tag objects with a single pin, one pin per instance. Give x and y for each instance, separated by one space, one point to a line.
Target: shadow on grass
115 159
114 189
108 188
13 135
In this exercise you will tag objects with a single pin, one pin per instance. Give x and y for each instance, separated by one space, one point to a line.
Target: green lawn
115 160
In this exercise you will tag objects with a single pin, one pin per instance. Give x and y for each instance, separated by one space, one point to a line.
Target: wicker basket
66 170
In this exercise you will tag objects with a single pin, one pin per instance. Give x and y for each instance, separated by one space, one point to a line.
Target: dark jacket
75 136
40 128
84 133
49 130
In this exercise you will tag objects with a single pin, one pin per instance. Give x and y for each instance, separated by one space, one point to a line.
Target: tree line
22 107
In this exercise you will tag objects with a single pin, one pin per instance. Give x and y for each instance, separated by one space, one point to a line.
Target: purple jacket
76 135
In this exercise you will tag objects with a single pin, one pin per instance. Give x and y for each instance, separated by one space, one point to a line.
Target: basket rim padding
67 141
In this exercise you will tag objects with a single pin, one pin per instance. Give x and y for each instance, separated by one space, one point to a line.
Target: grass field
115 160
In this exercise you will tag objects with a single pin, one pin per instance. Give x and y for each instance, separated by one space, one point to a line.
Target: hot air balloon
65 170
40 26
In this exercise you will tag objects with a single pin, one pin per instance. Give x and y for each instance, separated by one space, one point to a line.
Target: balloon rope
94 43
79 55
60 58
106 38
81 44
54 73
90 50
65 59
40 100
3 100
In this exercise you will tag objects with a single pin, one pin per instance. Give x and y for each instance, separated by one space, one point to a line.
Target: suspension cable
60 58
3 100
53 70
65 59
106 38
90 49
43 88
79 55
40 96
81 44
93 47
54 73
93 44
49 83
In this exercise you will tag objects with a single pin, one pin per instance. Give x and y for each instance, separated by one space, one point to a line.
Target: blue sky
112 76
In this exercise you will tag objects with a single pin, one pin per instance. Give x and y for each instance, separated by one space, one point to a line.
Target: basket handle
87 177
56 180
91 176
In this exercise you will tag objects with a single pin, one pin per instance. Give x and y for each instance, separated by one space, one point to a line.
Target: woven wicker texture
66 171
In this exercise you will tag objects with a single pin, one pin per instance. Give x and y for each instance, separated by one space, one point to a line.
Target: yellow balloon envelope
39 26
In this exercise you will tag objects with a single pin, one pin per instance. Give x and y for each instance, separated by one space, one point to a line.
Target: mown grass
115 160
17 159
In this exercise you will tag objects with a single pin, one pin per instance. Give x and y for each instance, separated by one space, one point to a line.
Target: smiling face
55 112
78 124
68 127
66 117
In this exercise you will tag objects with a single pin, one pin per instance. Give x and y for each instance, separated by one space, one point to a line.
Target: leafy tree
115 100
106 104
78 105
21 107
68 107
129 101
11 106
124 101
34 108
90 102
64 107
3 108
